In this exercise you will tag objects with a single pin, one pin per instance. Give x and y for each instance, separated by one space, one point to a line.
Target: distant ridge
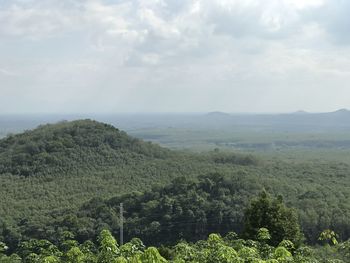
300 112
341 111
218 114
295 121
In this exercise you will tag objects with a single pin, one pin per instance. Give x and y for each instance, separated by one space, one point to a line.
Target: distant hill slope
60 166
61 147
218 114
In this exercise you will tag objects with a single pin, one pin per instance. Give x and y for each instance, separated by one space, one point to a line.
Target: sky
113 56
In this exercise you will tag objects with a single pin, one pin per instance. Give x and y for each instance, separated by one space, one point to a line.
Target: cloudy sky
78 56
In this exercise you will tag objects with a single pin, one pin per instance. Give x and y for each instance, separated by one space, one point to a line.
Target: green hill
48 174
185 209
191 209
60 166
66 146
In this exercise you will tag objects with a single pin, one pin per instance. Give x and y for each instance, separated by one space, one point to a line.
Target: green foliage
49 147
267 213
344 249
263 234
231 158
50 178
151 255
3 247
287 244
185 209
282 254
213 249
328 236
74 255
108 250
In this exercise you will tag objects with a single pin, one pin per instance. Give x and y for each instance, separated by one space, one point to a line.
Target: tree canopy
265 212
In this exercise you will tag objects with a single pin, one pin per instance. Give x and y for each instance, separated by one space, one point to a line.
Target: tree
272 214
151 255
329 236
108 248
74 255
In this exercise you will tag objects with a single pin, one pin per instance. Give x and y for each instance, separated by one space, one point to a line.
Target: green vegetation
183 210
268 143
261 246
59 148
265 213
63 165
229 249
71 176
241 136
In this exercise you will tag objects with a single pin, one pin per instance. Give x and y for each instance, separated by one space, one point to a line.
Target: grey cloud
35 21
172 55
241 20
334 18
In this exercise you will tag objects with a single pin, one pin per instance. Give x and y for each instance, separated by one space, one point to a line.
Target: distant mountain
341 112
300 112
218 114
297 121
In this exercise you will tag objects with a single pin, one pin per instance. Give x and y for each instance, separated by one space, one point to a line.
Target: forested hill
59 148
61 166
185 209
47 174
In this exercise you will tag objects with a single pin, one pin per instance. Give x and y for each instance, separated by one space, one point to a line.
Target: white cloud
302 4
156 54
6 72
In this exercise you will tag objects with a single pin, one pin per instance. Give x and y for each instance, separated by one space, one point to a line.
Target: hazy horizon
160 113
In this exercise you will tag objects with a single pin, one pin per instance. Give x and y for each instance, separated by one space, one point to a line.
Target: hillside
66 146
50 175
185 209
192 209
60 166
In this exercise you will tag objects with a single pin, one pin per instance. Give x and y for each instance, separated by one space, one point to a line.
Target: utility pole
121 225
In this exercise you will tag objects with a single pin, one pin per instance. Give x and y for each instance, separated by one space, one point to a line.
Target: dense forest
280 245
71 177
182 210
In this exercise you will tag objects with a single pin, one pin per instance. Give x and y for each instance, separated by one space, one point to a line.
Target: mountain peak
300 112
342 111
218 114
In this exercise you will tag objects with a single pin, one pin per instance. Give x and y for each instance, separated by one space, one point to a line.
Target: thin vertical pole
121 225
